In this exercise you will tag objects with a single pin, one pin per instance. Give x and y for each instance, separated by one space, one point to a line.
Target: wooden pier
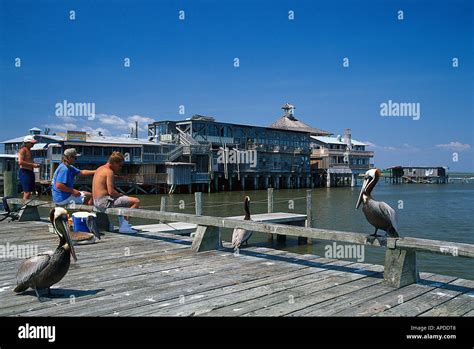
159 274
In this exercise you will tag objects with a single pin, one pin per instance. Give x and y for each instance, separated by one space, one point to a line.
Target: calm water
441 212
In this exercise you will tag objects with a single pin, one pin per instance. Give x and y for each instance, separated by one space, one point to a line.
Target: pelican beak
63 229
366 183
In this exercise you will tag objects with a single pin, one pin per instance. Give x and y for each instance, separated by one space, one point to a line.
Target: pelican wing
389 214
91 224
31 268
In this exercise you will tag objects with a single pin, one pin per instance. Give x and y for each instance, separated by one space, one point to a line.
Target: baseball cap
29 139
71 152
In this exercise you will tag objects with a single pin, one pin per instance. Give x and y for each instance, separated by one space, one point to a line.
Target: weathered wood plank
278 300
335 306
205 301
391 299
459 305
170 284
426 301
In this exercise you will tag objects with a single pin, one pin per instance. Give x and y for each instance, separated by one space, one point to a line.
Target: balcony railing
200 177
341 152
153 158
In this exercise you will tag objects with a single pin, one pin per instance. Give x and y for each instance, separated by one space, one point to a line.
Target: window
199 128
57 150
226 131
161 129
87 151
213 130
239 132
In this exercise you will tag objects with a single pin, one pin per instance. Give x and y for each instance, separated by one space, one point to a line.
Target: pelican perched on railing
240 235
378 213
48 268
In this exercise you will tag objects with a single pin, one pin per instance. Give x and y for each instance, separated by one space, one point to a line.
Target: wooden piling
270 210
309 215
163 204
207 238
9 184
198 203
270 200
400 267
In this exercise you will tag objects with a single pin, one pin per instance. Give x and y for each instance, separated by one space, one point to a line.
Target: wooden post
207 238
163 204
400 267
270 210
270 200
9 184
198 203
216 183
309 215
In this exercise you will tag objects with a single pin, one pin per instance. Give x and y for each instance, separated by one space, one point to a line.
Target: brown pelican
83 238
379 214
48 268
240 235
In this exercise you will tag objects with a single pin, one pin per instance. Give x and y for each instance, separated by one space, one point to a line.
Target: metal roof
416 166
116 140
92 139
335 140
291 123
39 146
20 139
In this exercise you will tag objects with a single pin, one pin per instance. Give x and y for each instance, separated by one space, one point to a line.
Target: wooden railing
400 259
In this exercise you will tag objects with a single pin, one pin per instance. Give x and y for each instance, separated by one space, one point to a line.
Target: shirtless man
104 193
25 160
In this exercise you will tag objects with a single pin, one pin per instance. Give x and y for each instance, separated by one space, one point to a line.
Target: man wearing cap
25 161
63 181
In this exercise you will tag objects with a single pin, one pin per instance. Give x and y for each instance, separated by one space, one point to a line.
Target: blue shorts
27 180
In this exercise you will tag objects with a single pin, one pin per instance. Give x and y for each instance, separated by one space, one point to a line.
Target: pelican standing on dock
240 235
48 268
378 213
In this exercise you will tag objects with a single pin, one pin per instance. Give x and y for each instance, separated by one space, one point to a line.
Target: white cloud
108 124
95 131
140 119
61 127
67 118
70 126
369 144
380 147
454 146
143 122
112 120
405 148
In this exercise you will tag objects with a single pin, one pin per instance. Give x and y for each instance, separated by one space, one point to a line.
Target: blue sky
190 63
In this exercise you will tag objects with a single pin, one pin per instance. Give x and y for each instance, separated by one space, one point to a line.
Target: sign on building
78 136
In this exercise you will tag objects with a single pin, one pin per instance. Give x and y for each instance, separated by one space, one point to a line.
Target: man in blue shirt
63 181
